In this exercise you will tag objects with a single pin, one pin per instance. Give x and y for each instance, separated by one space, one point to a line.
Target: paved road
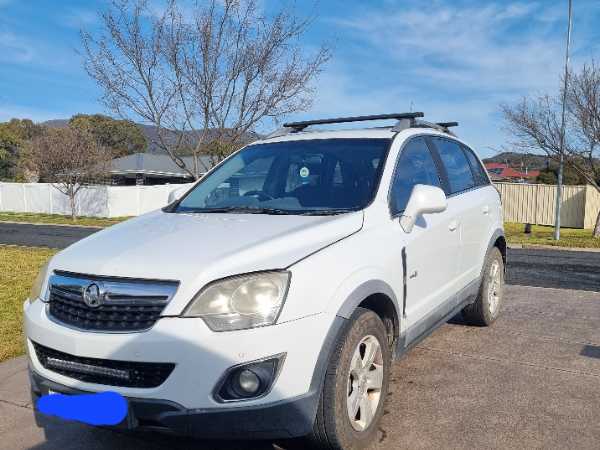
54 236
555 269
542 268
530 381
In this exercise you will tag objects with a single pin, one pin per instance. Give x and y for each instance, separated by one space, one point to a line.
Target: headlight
244 301
38 284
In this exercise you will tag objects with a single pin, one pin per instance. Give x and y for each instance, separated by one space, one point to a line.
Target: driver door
430 251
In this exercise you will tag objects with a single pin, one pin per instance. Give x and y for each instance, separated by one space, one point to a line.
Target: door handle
486 209
452 226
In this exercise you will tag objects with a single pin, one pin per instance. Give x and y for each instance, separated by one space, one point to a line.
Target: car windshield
295 177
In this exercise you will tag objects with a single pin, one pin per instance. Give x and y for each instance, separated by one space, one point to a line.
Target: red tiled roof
509 172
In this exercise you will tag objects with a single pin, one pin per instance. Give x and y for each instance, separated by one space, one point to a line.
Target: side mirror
176 194
423 200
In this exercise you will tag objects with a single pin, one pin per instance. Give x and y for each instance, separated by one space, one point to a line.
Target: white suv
271 298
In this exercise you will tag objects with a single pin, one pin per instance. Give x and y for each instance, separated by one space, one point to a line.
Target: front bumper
184 403
278 420
201 356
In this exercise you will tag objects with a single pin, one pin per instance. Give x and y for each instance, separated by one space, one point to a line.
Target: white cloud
338 94
78 18
14 48
27 49
490 46
453 61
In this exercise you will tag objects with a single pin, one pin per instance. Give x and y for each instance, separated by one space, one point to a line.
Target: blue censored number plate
104 408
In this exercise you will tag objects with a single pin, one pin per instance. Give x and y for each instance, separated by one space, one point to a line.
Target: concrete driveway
530 381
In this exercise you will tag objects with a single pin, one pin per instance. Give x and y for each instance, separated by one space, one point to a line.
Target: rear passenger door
464 177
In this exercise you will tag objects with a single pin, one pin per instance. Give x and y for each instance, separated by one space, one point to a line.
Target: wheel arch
498 240
379 297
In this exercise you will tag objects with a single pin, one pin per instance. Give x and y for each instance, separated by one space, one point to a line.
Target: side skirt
422 329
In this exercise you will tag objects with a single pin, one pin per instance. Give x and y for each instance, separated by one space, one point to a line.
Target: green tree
13 136
550 176
121 137
8 143
547 176
25 129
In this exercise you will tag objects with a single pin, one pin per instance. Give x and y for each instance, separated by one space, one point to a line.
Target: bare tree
534 124
70 159
205 79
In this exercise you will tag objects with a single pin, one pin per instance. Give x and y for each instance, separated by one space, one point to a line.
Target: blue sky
453 59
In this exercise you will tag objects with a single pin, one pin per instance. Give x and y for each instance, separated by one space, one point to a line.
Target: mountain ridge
151 134
514 159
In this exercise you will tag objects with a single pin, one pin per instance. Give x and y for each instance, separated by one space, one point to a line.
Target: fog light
248 381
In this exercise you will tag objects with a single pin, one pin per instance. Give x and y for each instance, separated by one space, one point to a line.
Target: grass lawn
569 237
18 268
55 219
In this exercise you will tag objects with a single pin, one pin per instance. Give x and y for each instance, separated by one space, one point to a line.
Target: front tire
486 308
355 386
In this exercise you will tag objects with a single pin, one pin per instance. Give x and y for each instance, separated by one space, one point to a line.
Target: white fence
94 201
532 203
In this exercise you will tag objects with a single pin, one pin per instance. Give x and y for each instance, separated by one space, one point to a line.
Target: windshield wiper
272 211
239 209
325 212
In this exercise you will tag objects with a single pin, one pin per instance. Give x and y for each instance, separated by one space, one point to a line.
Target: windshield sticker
304 172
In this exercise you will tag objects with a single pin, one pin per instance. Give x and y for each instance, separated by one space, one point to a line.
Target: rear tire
355 386
486 308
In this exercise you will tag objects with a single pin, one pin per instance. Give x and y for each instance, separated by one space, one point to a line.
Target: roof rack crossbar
404 121
299 126
447 124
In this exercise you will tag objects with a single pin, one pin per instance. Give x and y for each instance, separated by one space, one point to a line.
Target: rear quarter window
481 178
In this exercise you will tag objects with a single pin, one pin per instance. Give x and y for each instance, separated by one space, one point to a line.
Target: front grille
72 311
104 371
122 306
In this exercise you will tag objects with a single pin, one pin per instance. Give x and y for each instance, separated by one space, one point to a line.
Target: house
151 168
503 172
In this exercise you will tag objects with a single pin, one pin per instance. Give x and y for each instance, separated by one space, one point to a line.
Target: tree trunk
597 227
72 202
196 170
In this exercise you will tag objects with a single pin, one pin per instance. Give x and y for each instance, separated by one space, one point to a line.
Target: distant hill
56 123
150 133
514 159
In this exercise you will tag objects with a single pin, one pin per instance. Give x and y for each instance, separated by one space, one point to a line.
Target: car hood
195 249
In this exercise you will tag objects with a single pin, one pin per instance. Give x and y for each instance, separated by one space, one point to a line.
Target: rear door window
456 164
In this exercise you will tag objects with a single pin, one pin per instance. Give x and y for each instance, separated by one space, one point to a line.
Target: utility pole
561 160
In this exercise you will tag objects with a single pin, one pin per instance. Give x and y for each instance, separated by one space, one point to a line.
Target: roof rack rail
294 127
439 126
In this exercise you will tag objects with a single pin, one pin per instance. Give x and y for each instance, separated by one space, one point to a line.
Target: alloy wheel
495 286
365 379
